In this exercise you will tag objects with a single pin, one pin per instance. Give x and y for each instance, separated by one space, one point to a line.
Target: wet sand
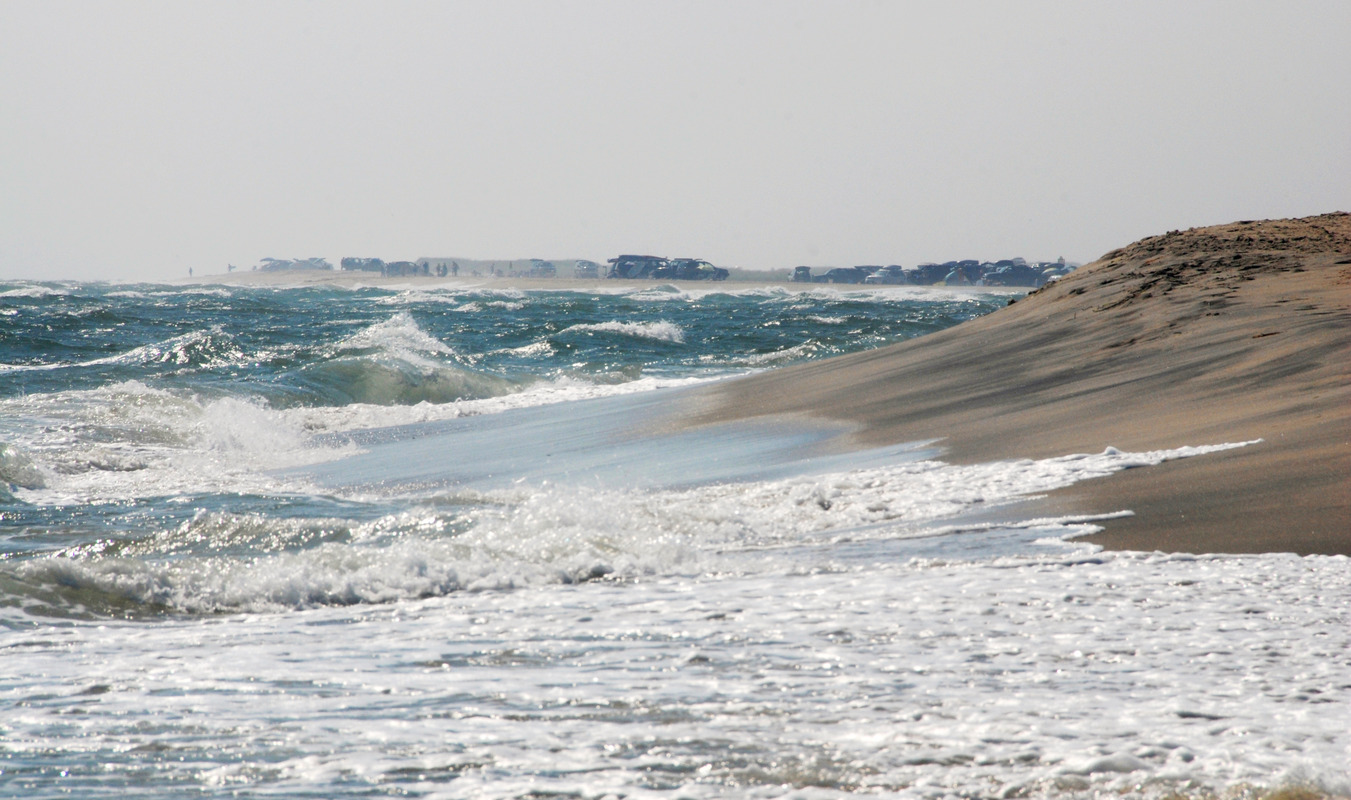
1221 334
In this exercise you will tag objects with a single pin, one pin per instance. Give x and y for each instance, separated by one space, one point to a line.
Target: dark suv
635 266
690 269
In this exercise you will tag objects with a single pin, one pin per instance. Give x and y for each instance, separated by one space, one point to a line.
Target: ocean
453 542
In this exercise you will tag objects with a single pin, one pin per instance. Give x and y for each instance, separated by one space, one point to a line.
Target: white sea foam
365 416
562 534
399 334
540 349
457 296
129 440
34 292
17 469
1049 677
409 296
664 292
660 330
898 501
743 640
198 291
515 295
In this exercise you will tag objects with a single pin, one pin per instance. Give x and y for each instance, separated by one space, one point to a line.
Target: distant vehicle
802 274
631 266
843 275
540 268
283 264
363 264
586 269
1009 272
888 275
690 269
405 269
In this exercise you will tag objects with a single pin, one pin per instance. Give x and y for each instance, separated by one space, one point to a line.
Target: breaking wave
397 363
34 292
511 538
660 330
393 381
130 440
17 469
208 348
400 334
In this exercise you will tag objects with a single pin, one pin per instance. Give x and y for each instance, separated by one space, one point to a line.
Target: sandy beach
1230 333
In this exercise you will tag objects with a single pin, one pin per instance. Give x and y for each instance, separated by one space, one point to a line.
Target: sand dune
1221 334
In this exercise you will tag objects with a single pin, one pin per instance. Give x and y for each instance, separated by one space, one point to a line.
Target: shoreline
354 279
1222 334
1229 333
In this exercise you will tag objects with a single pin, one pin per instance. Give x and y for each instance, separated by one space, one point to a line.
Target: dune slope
1220 334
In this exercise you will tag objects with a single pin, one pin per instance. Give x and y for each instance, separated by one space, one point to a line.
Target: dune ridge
1219 334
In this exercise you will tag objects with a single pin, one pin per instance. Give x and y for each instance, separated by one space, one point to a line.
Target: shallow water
326 543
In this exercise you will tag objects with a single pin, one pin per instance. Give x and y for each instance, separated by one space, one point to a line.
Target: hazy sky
138 139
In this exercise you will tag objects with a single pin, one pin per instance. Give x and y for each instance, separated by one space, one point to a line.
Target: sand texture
1222 334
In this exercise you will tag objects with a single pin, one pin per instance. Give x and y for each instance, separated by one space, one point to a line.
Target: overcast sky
141 139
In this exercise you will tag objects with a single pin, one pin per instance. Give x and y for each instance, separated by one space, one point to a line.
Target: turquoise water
440 542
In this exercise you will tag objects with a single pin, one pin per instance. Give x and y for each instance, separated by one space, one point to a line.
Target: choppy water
437 543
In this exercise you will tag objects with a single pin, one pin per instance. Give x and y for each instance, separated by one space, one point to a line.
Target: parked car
802 274
889 275
671 269
631 266
586 269
690 269
540 268
843 275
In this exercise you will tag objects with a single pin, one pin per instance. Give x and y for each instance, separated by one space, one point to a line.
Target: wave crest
660 330
396 363
394 382
400 334
17 469
208 348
